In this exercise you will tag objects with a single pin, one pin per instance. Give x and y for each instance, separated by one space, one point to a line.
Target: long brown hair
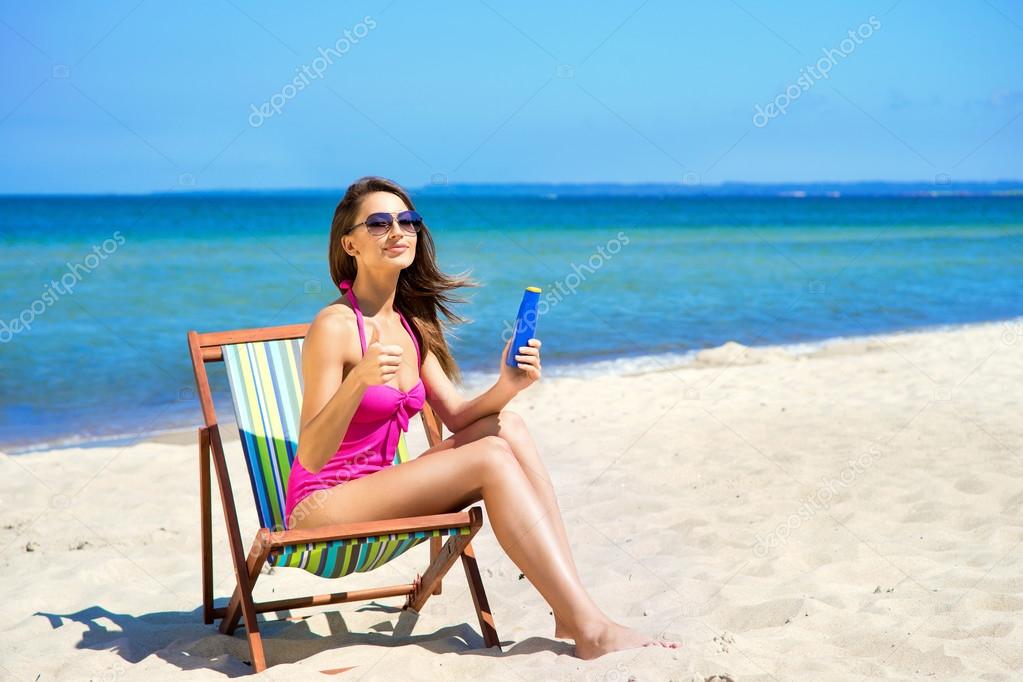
422 288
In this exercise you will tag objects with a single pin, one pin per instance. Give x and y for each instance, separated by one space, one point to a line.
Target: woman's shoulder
335 323
335 312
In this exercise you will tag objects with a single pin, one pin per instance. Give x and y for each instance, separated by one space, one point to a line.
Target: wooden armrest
472 517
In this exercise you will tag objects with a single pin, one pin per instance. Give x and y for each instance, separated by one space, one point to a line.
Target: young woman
371 359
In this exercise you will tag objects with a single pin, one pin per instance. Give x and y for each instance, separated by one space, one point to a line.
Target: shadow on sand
181 638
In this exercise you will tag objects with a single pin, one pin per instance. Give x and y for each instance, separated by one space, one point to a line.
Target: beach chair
264 373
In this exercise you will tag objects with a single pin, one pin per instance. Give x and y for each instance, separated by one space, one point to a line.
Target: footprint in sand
973 486
724 641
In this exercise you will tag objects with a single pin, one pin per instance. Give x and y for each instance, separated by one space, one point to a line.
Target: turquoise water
627 279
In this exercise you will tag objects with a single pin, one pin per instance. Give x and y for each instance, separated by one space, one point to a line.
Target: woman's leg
512 428
448 481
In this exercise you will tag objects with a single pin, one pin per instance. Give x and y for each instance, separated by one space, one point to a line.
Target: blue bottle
525 323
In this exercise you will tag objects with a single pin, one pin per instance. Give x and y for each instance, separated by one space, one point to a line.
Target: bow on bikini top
380 402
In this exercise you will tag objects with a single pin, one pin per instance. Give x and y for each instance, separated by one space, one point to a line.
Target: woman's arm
455 411
328 403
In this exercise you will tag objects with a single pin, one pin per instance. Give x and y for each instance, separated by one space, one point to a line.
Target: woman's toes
666 643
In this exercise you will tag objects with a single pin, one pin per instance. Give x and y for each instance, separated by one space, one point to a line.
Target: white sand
853 513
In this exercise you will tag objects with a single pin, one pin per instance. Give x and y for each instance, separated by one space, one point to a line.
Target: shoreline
726 354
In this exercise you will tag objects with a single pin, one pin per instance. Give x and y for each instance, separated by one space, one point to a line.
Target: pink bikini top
380 403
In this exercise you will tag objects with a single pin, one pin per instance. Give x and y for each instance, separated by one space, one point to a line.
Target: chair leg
255 642
434 551
438 567
257 557
241 605
205 525
244 575
479 598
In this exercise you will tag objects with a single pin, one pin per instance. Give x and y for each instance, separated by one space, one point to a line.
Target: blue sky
147 96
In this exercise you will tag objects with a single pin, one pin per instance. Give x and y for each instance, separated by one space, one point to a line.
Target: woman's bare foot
614 637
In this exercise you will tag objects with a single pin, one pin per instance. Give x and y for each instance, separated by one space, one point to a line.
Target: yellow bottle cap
533 289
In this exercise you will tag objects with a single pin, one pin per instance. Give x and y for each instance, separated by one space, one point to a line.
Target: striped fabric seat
266 389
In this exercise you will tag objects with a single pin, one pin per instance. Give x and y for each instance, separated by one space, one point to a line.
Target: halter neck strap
346 288
344 285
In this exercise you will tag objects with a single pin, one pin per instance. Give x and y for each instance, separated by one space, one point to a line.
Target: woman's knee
499 423
510 423
497 447
495 456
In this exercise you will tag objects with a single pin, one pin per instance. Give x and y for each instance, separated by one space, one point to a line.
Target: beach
844 511
779 307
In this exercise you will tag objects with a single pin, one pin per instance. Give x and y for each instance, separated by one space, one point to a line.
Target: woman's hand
380 363
528 370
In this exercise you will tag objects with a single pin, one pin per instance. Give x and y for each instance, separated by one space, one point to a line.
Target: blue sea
98 292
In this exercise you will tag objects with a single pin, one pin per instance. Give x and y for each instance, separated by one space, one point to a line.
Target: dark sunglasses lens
410 221
378 222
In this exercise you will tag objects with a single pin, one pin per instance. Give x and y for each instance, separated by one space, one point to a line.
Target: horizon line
680 188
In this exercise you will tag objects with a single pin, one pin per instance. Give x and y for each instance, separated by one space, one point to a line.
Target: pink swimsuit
370 442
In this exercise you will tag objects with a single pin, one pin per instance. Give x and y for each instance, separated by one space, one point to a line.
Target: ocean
98 292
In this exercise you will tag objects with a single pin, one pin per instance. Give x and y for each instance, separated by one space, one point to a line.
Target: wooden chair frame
204 348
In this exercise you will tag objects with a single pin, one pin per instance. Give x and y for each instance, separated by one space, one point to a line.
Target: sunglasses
378 224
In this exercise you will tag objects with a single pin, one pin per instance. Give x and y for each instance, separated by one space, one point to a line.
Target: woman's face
395 248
